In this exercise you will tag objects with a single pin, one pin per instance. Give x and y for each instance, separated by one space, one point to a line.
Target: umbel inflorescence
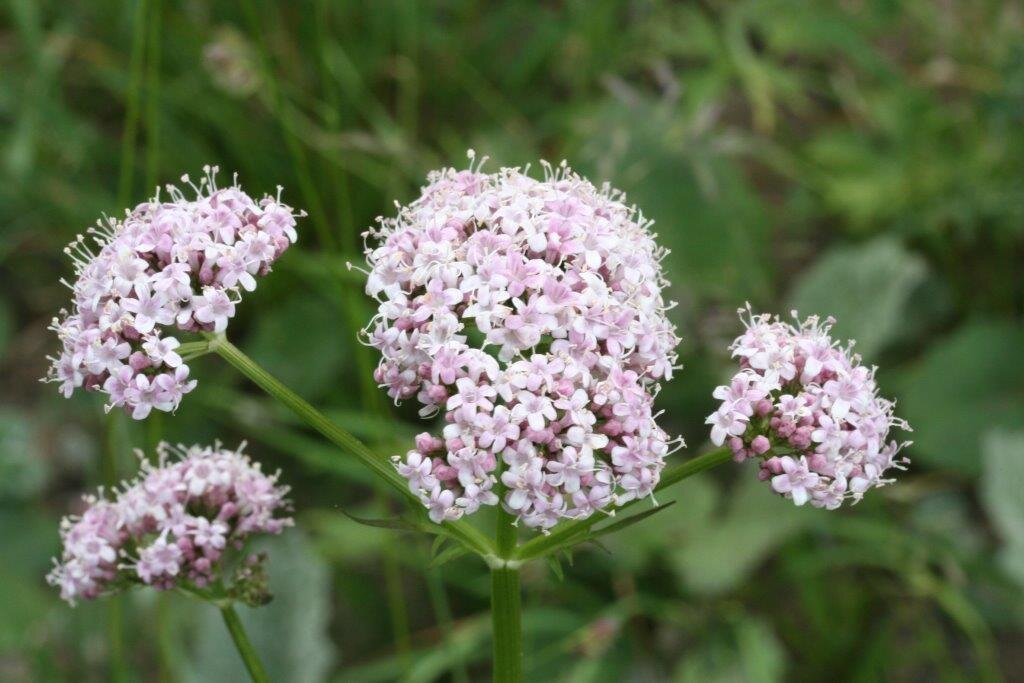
529 313
809 410
169 264
171 526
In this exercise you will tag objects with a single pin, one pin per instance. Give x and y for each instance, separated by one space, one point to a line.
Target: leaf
628 521
966 385
448 554
397 523
865 287
436 546
290 634
1002 494
556 566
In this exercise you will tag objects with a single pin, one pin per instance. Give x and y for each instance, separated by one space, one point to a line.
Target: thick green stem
506 615
115 610
461 530
243 644
506 605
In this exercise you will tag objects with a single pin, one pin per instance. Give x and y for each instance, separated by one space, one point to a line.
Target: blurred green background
863 158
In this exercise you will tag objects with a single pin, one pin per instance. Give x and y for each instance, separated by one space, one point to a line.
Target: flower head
529 314
809 410
171 526
170 265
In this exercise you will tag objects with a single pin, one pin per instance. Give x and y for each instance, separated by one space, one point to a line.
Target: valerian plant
527 314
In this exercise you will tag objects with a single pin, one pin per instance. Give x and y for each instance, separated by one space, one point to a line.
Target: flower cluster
168 264
530 315
808 408
171 525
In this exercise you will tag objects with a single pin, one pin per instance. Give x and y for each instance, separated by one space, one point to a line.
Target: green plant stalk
115 609
243 644
506 617
506 603
277 106
461 530
674 474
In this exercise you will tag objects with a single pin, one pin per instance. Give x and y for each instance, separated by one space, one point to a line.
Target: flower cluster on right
806 407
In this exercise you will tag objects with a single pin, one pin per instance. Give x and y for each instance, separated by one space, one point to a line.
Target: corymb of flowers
172 526
530 314
169 264
809 410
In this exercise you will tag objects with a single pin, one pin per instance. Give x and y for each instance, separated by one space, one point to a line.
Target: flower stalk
243 644
461 530
506 604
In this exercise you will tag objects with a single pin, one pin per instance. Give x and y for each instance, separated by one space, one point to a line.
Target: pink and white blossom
808 409
170 265
528 314
171 526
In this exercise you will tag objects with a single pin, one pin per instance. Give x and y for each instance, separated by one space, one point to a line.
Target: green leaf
448 554
556 566
1002 494
629 521
396 523
967 384
865 287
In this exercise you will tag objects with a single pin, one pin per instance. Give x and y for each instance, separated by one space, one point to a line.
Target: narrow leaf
628 521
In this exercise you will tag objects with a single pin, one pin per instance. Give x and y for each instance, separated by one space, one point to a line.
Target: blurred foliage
860 158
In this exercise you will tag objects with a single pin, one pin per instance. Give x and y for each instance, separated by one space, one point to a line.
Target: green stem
115 609
243 644
506 605
463 531
115 622
506 616
541 545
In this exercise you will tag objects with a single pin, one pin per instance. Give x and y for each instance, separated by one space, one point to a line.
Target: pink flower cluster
808 408
168 264
171 525
529 313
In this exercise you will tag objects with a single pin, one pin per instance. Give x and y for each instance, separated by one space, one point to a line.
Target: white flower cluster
809 410
530 314
172 525
169 264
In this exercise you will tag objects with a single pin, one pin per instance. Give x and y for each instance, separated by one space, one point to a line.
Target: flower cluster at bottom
807 407
571 442
172 525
